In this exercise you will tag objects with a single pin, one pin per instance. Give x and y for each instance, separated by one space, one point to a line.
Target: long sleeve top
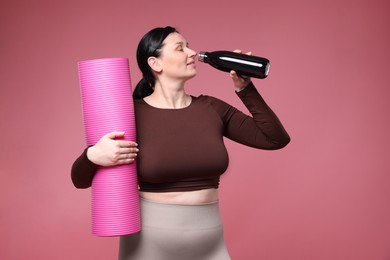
183 149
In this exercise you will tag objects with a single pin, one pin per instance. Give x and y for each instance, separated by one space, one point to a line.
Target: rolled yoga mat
107 106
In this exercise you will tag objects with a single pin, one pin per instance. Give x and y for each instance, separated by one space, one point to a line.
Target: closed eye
180 46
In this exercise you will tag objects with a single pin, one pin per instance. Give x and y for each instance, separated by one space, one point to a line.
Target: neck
169 95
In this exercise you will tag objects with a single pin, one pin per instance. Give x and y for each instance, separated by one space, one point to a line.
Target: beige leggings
176 232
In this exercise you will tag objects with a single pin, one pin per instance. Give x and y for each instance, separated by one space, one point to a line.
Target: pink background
325 196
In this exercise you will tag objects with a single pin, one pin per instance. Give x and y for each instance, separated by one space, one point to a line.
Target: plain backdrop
325 196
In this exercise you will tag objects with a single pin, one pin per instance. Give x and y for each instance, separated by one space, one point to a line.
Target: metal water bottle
244 65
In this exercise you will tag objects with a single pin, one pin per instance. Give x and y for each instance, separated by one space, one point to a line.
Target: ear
155 64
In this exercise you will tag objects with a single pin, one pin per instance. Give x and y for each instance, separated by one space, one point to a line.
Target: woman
181 153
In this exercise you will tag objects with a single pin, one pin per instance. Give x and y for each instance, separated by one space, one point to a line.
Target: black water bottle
244 65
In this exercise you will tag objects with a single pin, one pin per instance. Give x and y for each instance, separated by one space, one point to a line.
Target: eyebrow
182 43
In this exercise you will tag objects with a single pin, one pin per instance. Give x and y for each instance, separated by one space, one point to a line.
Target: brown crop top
183 149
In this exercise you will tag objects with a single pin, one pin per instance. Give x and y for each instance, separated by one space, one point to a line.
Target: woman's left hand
240 82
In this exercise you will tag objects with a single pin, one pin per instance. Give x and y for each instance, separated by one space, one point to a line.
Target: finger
237 77
115 134
249 53
243 77
124 144
126 156
238 51
125 161
233 74
128 150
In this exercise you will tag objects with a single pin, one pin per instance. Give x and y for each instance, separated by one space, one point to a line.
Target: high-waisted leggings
176 232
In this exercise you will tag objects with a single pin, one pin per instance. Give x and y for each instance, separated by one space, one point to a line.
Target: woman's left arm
262 129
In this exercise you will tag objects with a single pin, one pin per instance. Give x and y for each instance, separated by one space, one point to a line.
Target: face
177 60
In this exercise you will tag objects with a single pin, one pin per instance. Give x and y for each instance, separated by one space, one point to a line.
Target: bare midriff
183 197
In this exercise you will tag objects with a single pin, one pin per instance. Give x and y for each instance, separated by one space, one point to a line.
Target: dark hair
149 46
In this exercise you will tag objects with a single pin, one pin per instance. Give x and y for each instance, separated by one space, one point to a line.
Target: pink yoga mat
107 106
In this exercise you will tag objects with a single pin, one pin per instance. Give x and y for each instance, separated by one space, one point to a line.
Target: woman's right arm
83 171
108 151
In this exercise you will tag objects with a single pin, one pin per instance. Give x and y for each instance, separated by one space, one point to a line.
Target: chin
193 75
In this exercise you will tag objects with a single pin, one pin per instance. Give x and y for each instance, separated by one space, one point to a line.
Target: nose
191 52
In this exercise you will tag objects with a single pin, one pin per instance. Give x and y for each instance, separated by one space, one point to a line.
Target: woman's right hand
110 152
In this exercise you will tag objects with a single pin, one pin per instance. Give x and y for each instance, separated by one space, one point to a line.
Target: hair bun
143 89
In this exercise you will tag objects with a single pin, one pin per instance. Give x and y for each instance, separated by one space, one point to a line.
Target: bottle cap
201 56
